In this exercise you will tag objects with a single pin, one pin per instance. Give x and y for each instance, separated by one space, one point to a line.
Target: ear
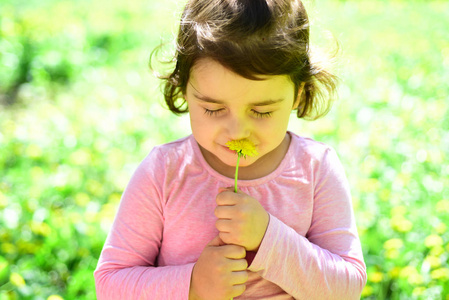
298 97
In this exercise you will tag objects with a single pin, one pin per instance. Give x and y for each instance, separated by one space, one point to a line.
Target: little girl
181 231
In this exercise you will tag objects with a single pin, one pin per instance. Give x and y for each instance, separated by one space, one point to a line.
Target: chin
245 163
233 162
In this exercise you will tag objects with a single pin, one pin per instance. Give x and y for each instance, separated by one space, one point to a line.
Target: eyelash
214 113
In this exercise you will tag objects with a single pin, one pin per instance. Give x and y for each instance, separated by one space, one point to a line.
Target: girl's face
224 106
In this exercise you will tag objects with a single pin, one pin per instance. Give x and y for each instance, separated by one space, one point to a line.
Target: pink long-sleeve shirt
310 250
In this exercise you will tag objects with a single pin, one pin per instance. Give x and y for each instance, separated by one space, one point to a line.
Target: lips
228 150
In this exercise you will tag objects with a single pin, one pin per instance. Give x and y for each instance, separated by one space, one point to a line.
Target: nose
238 127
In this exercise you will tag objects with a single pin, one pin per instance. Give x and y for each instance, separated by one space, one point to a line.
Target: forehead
212 79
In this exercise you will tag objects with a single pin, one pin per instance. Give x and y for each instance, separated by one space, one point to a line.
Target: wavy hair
251 38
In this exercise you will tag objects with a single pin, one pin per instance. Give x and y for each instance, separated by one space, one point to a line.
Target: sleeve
328 262
127 266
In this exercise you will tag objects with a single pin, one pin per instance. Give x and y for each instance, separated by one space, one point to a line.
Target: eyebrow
215 101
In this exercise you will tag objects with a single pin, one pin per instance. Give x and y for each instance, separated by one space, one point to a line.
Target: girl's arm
328 262
127 265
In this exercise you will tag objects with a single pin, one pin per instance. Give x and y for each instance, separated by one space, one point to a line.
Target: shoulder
167 159
172 152
321 162
317 158
172 149
310 150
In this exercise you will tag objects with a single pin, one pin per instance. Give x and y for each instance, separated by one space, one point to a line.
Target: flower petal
243 147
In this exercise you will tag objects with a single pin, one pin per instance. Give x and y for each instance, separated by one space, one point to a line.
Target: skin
224 106
220 272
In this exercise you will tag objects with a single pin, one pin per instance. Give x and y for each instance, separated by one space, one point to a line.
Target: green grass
84 110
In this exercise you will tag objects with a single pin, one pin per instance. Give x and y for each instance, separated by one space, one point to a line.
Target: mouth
229 150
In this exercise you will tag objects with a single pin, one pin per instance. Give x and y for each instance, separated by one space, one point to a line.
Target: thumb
217 241
223 189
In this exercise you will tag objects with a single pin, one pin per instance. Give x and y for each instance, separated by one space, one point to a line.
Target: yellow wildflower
394 273
3 200
392 253
40 228
443 206
437 251
412 275
432 261
243 147
433 240
367 290
407 271
418 291
375 277
441 228
55 297
16 279
401 224
415 279
393 244
441 274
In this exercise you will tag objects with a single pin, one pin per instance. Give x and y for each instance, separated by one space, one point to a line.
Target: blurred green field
80 109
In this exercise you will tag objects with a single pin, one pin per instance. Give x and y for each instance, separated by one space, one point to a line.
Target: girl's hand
241 219
220 272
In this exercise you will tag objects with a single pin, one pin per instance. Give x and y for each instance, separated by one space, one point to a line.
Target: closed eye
260 114
216 112
212 113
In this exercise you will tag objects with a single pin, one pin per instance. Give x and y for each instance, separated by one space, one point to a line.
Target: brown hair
251 38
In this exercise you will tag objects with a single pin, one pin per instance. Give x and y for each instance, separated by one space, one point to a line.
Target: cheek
283 119
202 129
276 126
273 133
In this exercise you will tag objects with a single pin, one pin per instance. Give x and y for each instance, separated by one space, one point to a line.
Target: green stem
237 172
236 177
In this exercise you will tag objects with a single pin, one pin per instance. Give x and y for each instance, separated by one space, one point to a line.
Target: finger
225 212
231 189
227 198
238 290
223 225
236 265
233 251
239 277
217 241
231 238
223 189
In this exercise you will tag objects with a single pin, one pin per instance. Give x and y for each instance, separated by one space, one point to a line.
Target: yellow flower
375 277
401 224
415 279
441 274
393 244
243 147
392 254
419 291
437 251
394 273
432 261
367 290
441 228
412 275
55 297
433 240
443 206
40 228
3 200
16 279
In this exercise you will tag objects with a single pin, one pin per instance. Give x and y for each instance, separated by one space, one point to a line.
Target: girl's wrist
192 293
